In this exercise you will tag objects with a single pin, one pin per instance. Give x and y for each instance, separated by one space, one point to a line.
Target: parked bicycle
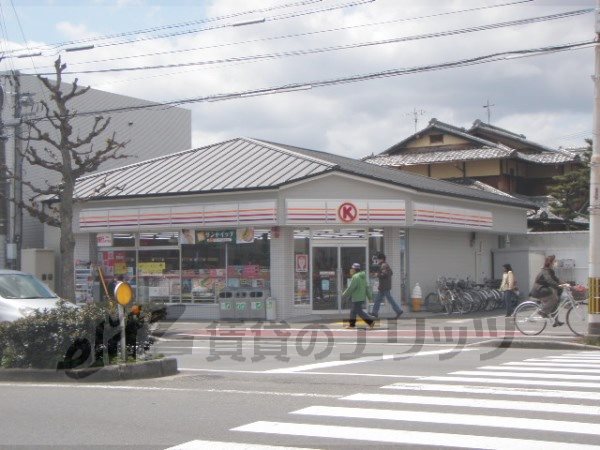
455 295
531 320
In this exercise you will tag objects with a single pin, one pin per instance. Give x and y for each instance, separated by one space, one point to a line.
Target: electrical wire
228 25
339 47
296 35
500 56
170 26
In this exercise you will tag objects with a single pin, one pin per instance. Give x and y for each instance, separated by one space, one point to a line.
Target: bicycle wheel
577 318
528 319
432 303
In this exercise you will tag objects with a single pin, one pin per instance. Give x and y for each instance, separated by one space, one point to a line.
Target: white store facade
252 216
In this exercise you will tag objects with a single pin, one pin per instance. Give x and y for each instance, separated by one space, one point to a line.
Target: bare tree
58 150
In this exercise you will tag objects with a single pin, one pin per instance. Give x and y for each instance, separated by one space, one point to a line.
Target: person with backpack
384 274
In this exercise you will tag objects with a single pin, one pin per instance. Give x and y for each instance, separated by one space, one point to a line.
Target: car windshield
16 285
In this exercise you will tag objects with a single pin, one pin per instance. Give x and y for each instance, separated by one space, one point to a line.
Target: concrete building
251 218
148 131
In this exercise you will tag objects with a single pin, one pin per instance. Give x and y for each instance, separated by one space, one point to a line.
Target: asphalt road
353 393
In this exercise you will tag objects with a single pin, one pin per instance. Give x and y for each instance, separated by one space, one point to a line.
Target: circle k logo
347 212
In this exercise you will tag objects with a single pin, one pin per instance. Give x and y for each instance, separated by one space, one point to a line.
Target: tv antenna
415 114
488 106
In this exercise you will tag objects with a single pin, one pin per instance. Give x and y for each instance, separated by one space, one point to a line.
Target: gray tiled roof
406 159
250 164
484 148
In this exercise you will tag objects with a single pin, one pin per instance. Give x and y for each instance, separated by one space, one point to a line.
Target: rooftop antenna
488 106
416 113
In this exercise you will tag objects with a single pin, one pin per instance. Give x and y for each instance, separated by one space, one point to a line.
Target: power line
339 47
296 35
170 26
500 56
215 27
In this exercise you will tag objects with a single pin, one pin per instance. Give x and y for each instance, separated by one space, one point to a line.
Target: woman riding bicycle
547 288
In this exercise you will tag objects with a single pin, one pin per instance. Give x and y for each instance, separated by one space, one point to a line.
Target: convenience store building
251 215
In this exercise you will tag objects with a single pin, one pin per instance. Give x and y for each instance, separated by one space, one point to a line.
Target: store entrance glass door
331 274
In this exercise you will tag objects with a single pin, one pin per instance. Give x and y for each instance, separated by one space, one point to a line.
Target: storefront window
116 263
203 271
123 240
159 276
159 239
249 260
301 267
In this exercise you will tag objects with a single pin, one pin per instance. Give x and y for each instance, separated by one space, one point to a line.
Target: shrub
69 337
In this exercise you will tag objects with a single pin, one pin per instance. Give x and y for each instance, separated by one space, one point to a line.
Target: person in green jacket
358 290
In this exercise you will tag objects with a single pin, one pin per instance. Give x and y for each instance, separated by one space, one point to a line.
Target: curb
533 344
146 369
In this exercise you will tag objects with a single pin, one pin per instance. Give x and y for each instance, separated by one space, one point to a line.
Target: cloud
545 97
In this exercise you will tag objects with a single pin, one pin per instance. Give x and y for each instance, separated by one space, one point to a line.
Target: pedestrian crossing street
546 403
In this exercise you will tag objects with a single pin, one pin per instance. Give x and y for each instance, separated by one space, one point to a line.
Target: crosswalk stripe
554 361
541 369
476 403
217 445
573 359
453 419
527 375
504 390
549 364
552 383
405 436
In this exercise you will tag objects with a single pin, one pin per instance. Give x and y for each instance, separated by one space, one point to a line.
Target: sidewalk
483 329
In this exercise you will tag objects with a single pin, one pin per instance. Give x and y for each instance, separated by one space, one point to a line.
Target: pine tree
571 191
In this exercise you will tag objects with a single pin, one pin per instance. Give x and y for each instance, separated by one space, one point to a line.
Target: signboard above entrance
341 211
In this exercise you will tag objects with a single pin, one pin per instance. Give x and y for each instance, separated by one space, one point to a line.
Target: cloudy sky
548 97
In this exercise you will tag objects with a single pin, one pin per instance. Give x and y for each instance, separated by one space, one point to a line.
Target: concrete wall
454 254
564 245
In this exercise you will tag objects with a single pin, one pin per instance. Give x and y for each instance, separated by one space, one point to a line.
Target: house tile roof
244 164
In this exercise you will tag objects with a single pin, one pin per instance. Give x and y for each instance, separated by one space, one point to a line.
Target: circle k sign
347 212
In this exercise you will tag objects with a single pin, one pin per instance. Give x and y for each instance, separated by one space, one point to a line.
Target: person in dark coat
384 274
547 288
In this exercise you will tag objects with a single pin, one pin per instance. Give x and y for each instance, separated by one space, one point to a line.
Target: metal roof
249 164
238 164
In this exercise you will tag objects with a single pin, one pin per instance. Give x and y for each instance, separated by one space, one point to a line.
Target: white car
21 293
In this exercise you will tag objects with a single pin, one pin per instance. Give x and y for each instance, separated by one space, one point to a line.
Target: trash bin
417 298
271 309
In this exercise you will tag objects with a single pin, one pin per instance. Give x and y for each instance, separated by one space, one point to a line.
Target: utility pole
3 190
594 270
17 233
489 109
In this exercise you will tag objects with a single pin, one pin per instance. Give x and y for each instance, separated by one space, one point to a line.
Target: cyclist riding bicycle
547 289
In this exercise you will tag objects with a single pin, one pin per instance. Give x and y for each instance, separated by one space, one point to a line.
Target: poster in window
244 235
301 263
104 239
215 236
188 236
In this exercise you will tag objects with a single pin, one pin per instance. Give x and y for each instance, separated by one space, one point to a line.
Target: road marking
571 360
150 388
215 445
520 423
405 436
477 403
524 381
469 389
553 376
541 369
262 372
328 364
548 364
